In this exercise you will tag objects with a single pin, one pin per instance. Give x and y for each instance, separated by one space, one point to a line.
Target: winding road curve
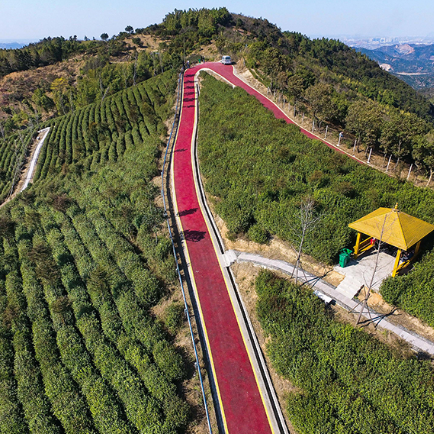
246 399
243 399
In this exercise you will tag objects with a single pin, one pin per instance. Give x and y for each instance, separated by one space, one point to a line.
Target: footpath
29 167
328 293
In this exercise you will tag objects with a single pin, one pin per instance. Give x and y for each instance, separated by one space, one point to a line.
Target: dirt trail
29 166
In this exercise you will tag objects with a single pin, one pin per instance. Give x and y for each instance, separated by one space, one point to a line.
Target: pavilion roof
393 227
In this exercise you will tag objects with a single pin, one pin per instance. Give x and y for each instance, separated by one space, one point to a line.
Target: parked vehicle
226 60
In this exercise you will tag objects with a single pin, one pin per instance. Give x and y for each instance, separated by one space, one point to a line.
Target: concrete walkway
322 288
359 272
27 175
42 134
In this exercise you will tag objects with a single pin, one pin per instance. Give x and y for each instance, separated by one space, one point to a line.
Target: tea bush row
349 381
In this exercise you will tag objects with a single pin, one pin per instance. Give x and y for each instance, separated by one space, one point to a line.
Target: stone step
349 287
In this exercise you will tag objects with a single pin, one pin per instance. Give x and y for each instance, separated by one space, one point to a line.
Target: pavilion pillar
416 250
398 257
357 246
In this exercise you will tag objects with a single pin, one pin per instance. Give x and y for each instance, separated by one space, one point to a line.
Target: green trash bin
344 257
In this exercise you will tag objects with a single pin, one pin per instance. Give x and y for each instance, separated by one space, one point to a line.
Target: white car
226 60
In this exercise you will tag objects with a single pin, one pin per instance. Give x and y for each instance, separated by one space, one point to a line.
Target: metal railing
168 147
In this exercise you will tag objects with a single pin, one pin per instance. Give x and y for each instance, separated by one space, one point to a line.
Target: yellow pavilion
393 227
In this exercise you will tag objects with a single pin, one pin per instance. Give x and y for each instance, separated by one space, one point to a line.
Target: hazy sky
35 19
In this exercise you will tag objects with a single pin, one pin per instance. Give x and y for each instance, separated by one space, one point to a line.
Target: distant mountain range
410 62
11 45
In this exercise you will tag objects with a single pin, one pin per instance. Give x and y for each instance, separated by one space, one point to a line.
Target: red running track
241 402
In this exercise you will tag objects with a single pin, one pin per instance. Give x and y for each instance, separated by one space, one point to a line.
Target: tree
104 36
272 63
220 43
295 87
42 101
364 119
129 29
307 222
137 41
423 152
319 97
60 88
400 133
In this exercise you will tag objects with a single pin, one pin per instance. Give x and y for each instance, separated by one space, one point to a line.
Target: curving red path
241 402
227 72
242 405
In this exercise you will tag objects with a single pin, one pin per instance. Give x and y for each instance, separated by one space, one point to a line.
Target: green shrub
174 317
258 234
414 292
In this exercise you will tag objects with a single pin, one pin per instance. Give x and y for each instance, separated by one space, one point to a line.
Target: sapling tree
307 221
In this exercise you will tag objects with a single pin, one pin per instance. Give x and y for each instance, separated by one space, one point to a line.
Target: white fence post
369 158
409 171
388 163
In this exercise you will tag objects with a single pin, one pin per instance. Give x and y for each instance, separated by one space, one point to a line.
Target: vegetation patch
349 381
82 261
262 170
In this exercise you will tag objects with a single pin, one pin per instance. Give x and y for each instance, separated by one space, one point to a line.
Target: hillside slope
413 64
81 266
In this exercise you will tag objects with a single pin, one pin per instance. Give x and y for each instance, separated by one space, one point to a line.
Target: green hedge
79 349
349 381
414 292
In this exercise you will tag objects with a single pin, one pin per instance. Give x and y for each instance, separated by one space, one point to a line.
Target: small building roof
398 228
